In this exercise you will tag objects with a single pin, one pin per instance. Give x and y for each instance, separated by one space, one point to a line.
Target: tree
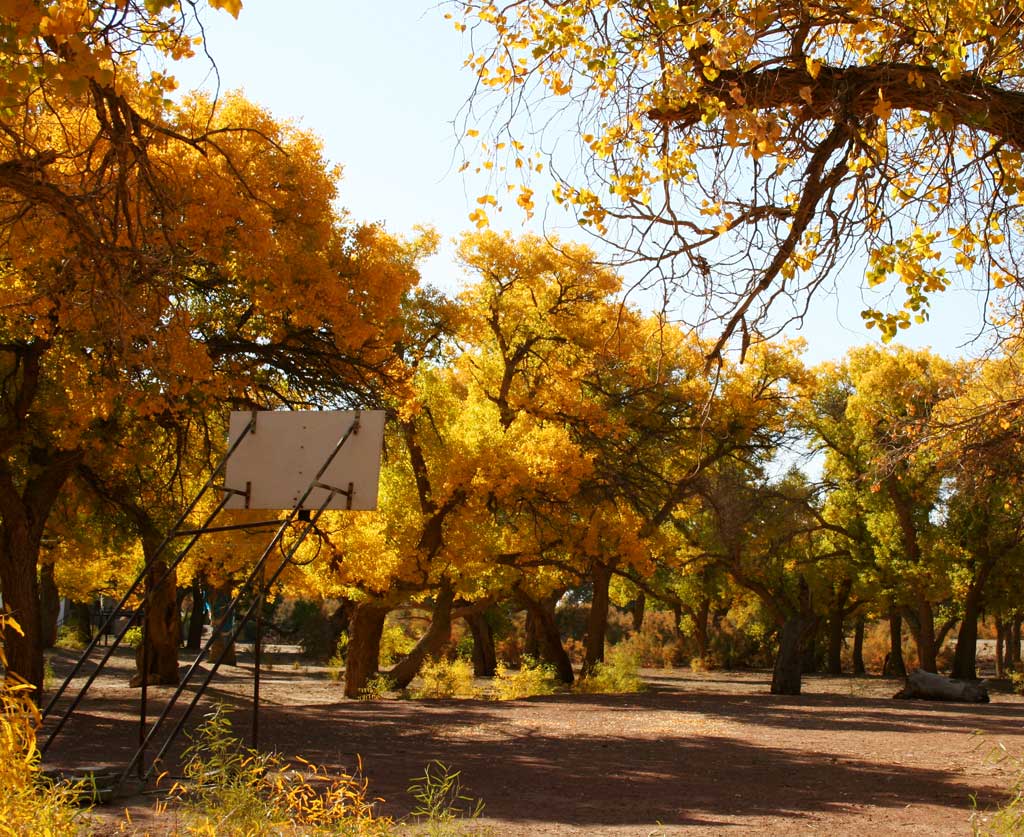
253 280
750 150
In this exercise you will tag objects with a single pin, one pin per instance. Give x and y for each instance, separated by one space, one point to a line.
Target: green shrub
69 638
395 643
133 637
446 679
336 664
1017 681
441 806
1007 821
532 678
618 674
377 687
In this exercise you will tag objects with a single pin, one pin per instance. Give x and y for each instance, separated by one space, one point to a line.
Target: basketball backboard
279 458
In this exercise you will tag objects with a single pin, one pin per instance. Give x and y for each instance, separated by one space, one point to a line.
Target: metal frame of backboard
350 436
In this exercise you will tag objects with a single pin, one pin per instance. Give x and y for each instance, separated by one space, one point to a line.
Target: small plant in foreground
1007 821
532 678
377 687
232 790
446 679
441 805
618 674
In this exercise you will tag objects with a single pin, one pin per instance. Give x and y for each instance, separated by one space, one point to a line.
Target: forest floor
693 754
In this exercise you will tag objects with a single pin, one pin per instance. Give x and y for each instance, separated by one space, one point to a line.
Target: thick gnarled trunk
23 516
363 655
894 665
431 644
597 617
858 647
485 658
549 639
49 605
786 675
24 649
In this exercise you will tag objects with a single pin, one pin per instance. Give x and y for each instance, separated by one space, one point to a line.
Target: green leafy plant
532 678
377 687
442 807
133 637
446 679
336 664
1017 681
395 643
69 639
1008 820
618 674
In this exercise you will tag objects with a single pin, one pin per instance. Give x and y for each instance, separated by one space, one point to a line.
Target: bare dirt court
695 754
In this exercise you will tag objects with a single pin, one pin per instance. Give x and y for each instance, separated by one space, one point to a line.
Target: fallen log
927 686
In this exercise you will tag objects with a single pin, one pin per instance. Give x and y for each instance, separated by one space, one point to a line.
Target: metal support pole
143 695
256 655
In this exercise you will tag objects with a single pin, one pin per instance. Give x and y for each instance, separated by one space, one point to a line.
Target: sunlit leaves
673 109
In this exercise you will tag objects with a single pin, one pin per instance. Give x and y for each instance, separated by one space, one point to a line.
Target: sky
383 86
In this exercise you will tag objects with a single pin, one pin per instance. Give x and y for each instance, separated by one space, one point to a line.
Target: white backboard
277 461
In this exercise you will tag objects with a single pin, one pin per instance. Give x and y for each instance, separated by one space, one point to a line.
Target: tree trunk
23 516
548 637
638 609
1015 641
194 639
928 686
438 635
485 659
677 617
700 622
788 663
80 620
894 665
163 618
219 598
858 647
163 629
836 615
49 605
531 640
965 656
597 618
1000 648
835 642
809 655
363 656
24 649
924 637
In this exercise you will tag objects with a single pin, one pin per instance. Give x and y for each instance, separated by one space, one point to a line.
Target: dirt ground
694 754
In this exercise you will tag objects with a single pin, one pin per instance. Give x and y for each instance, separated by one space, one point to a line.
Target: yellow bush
28 804
618 674
446 679
530 679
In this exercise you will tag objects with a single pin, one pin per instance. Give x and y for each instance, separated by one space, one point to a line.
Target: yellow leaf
232 7
882 108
